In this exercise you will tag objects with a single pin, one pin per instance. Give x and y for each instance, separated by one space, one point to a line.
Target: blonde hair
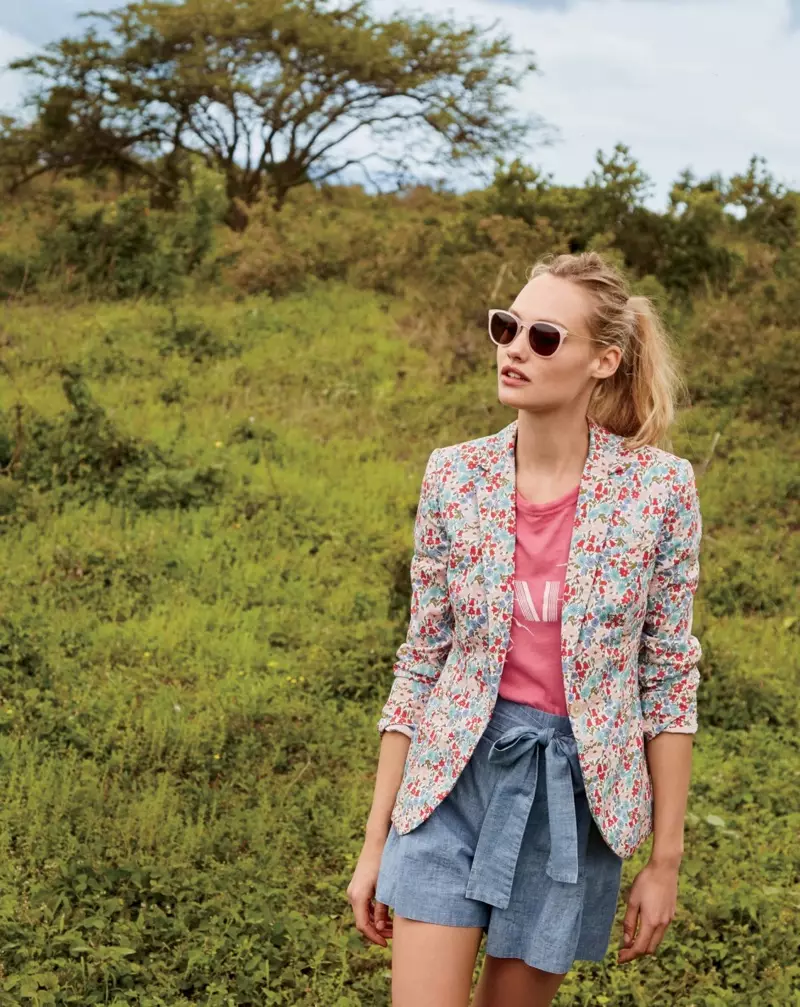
639 400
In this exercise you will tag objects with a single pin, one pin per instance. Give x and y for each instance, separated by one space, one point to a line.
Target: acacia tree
270 92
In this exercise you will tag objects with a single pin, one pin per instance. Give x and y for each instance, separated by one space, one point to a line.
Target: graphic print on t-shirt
546 609
549 609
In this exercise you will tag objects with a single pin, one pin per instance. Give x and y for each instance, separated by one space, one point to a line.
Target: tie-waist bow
503 827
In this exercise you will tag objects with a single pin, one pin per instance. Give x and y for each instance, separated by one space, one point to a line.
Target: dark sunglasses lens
503 328
544 339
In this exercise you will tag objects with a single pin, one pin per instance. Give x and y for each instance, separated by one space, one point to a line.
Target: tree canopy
273 93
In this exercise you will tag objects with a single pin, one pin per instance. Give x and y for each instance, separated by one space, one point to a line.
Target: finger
642 940
360 906
658 936
629 924
361 909
383 923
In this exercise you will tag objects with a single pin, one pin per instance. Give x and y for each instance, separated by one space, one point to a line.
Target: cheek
560 373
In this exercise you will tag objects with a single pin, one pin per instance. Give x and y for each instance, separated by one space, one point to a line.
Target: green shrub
127 249
751 675
193 338
83 455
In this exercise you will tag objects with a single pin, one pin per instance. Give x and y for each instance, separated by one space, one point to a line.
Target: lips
509 372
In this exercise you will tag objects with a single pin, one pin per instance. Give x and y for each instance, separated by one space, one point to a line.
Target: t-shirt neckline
550 505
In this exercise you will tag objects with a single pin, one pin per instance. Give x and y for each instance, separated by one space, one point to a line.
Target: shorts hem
598 956
543 964
443 918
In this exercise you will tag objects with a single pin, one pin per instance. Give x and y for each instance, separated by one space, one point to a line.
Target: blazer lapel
495 485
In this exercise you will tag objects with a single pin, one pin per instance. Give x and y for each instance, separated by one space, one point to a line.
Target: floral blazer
629 658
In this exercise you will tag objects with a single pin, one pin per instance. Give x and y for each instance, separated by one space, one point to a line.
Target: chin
516 396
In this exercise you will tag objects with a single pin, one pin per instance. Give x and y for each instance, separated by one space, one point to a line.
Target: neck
553 446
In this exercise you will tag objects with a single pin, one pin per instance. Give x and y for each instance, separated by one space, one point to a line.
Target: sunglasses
545 337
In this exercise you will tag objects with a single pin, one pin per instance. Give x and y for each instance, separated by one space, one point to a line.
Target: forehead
549 298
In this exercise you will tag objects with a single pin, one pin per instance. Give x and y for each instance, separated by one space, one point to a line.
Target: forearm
391 763
669 756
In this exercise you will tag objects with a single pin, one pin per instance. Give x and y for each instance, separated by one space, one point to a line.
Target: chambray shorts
513 848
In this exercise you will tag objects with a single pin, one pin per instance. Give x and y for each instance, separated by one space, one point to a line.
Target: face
570 374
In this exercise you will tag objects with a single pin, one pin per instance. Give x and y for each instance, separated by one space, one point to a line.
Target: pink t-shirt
532 670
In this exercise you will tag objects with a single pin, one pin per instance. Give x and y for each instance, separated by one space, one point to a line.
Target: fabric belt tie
500 839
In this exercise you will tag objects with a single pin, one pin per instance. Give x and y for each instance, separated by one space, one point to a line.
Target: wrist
666 859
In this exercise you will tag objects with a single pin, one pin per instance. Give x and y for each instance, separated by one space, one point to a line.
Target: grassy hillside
206 515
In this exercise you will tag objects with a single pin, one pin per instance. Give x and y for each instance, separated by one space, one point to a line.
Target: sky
703 84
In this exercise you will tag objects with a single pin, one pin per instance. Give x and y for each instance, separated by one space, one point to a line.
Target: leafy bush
193 338
127 249
84 456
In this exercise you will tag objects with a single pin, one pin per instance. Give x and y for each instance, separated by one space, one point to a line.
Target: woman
539 725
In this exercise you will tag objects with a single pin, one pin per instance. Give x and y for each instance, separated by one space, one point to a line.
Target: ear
606 362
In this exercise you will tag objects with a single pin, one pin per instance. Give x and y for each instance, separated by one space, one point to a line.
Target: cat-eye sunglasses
545 338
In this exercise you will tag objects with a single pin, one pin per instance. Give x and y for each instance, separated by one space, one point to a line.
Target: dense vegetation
211 443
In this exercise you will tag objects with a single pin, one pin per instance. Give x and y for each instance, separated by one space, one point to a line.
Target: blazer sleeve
402 729
669 653
429 637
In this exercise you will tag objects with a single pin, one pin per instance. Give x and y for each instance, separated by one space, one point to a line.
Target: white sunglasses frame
563 333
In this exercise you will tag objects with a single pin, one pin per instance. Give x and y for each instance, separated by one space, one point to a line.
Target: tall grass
206 515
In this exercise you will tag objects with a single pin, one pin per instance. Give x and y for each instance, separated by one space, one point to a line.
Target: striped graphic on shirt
550 601
525 601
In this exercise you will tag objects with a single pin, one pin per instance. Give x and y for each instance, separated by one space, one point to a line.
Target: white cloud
12 85
43 21
26 28
703 84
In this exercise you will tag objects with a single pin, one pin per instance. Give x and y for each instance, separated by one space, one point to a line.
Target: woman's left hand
652 901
